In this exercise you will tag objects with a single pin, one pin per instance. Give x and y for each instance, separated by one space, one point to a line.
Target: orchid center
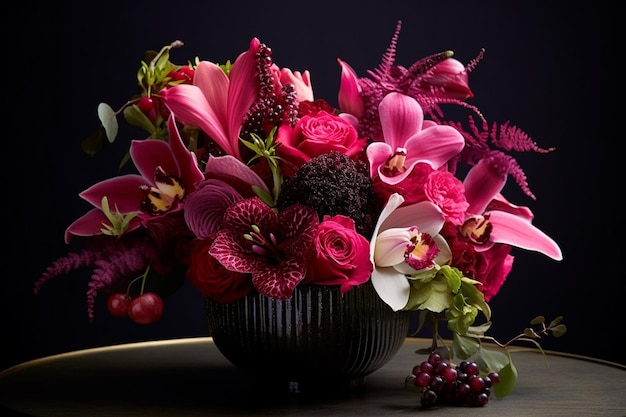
477 229
395 163
167 191
421 250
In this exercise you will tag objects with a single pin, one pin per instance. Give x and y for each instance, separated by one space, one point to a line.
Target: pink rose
212 279
447 192
317 134
341 255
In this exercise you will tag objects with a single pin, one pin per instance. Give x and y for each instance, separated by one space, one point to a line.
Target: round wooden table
190 377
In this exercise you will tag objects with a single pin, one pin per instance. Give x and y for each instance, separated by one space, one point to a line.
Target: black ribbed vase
317 339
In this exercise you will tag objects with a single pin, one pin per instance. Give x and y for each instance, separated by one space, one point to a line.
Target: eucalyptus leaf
108 118
463 347
508 379
136 117
491 360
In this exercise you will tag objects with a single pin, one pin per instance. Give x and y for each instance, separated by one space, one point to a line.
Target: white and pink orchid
403 233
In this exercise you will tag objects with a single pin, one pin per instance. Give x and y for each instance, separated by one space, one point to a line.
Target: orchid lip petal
516 231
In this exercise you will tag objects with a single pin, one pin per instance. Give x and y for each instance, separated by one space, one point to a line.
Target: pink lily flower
217 103
406 241
408 140
491 219
169 172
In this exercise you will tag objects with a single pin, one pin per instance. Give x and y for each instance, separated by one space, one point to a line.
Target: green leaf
136 117
556 321
94 143
463 347
491 360
538 320
559 330
508 378
108 118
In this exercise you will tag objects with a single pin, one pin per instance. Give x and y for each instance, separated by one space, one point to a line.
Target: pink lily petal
191 107
213 82
482 183
242 92
122 192
513 230
349 99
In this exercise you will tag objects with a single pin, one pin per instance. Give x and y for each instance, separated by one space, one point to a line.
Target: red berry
146 309
145 104
118 304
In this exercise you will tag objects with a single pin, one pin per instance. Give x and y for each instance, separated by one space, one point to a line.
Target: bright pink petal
435 146
213 82
190 106
349 99
482 183
242 93
122 193
401 117
515 231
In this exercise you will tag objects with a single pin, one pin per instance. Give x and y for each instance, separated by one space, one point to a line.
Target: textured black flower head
334 184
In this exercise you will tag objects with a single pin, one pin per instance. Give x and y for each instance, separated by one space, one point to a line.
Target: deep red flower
272 247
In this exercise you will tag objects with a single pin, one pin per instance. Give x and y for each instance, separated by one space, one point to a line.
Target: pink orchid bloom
217 103
491 219
409 139
169 172
272 247
413 228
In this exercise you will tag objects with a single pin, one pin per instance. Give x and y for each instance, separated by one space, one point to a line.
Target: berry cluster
443 383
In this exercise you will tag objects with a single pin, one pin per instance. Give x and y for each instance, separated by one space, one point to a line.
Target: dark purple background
550 70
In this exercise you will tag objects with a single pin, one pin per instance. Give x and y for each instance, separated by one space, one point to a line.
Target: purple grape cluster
442 383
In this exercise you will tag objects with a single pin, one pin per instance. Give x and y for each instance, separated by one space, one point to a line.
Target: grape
443 383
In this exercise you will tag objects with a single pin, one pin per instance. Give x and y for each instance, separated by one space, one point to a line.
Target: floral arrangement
248 182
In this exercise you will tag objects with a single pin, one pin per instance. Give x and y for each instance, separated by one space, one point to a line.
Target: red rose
341 255
317 134
212 279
